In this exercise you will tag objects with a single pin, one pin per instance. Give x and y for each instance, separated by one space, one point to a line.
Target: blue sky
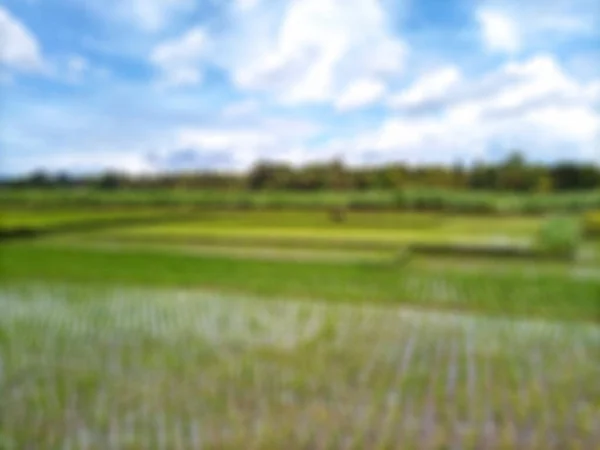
151 85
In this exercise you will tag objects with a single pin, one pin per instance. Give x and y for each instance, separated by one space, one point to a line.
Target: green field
186 369
418 199
177 327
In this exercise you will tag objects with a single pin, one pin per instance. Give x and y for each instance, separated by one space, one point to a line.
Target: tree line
514 174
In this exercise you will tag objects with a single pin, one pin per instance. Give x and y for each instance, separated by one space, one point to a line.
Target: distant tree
459 174
313 176
109 181
63 179
515 159
336 175
566 176
573 176
38 178
389 177
259 176
482 176
513 173
359 179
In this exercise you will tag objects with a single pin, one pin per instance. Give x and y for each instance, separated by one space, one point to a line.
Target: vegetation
106 367
513 174
143 317
591 224
408 199
510 293
26 222
560 236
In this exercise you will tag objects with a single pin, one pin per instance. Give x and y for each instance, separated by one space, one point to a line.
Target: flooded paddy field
127 368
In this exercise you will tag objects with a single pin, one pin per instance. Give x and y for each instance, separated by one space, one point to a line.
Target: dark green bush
475 250
559 236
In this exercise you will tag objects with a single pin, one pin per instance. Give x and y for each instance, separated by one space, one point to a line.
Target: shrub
17 232
474 250
337 214
591 224
559 236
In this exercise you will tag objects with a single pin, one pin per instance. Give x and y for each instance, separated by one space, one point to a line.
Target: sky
145 86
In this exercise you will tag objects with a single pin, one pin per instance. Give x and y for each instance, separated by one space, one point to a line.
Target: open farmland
314 227
178 328
415 199
553 293
169 369
283 229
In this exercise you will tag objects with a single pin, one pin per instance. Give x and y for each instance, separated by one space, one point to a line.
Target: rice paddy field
129 368
284 330
420 199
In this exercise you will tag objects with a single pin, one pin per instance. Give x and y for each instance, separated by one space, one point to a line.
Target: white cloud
246 5
499 32
532 104
19 48
538 82
179 59
360 93
223 139
513 25
576 123
422 139
242 145
432 86
73 69
75 162
511 87
153 14
312 50
265 137
147 15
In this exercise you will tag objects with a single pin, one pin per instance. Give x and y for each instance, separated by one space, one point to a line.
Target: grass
560 236
514 293
587 263
361 231
357 223
252 251
304 235
477 202
25 217
182 369
25 221
434 234
137 328
591 224
306 229
287 219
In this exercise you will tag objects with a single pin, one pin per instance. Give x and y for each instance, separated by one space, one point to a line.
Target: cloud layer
153 85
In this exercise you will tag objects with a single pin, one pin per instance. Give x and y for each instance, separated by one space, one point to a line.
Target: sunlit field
178 328
419 199
168 369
